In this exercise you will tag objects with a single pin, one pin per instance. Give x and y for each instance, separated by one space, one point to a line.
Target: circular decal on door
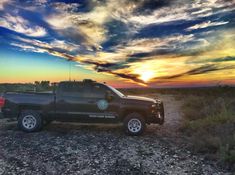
102 104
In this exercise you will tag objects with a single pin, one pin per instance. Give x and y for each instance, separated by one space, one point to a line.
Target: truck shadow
64 128
110 129
4 125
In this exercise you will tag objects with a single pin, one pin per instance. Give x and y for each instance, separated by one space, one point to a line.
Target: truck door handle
91 101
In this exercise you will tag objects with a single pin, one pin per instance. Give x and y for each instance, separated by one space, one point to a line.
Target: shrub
227 151
210 123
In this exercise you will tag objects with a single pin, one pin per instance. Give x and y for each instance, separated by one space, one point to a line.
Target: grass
209 120
199 91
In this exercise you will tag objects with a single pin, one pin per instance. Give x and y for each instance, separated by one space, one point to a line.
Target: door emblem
102 104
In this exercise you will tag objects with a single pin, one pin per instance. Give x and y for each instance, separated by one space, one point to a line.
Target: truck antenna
69 70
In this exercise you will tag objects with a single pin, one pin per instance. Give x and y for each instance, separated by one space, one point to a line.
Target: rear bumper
1 115
7 113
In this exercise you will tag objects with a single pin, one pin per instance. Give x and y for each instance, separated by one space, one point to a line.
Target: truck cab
87 101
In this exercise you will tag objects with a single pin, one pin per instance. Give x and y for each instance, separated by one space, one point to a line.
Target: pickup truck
81 101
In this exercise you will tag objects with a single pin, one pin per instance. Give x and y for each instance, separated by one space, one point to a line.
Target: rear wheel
134 124
30 121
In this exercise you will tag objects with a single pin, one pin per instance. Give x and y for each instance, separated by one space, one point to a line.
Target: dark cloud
112 66
118 33
78 37
217 60
200 70
157 52
206 69
61 54
147 6
133 77
102 67
76 5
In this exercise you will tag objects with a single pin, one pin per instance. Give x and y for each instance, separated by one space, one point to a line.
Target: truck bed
29 97
15 101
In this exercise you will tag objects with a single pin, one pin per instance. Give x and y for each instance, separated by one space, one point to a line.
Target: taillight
2 102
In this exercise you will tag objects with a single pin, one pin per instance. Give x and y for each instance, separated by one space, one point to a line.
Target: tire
134 124
30 121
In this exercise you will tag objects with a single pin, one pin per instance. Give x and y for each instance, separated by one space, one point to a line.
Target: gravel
69 148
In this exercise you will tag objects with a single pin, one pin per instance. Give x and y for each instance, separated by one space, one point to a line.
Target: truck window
72 89
95 91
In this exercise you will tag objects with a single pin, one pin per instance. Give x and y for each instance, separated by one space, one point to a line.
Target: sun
146 76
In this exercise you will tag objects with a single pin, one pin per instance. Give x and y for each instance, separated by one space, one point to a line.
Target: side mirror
109 96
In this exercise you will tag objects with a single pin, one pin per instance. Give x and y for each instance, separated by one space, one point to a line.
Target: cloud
172 11
222 59
3 3
59 48
54 44
203 12
214 60
129 76
206 24
90 29
199 70
119 61
152 46
67 7
147 6
26 47
138 50
87 28
78 28
160 16
21 25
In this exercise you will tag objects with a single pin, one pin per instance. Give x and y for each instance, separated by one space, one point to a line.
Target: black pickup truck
81 101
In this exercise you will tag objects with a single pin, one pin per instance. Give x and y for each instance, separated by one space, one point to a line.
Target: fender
125 111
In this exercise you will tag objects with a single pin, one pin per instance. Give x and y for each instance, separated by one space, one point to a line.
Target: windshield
116 91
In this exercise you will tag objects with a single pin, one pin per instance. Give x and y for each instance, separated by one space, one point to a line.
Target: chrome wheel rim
134 125
29 122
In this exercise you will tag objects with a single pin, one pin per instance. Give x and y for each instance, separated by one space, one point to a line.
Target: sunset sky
126 43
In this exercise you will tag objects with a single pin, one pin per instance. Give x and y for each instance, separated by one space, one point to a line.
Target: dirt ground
66 148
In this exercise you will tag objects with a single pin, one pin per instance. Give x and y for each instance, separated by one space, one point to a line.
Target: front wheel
29 121
134 124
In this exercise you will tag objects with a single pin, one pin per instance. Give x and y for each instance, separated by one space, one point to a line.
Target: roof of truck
83 81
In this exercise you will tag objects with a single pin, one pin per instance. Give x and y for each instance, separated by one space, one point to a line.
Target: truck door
70 101
99 108
85 102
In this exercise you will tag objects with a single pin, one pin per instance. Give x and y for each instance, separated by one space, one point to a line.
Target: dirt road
77 149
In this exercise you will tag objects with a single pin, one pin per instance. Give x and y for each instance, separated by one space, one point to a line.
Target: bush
227 151
210 123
